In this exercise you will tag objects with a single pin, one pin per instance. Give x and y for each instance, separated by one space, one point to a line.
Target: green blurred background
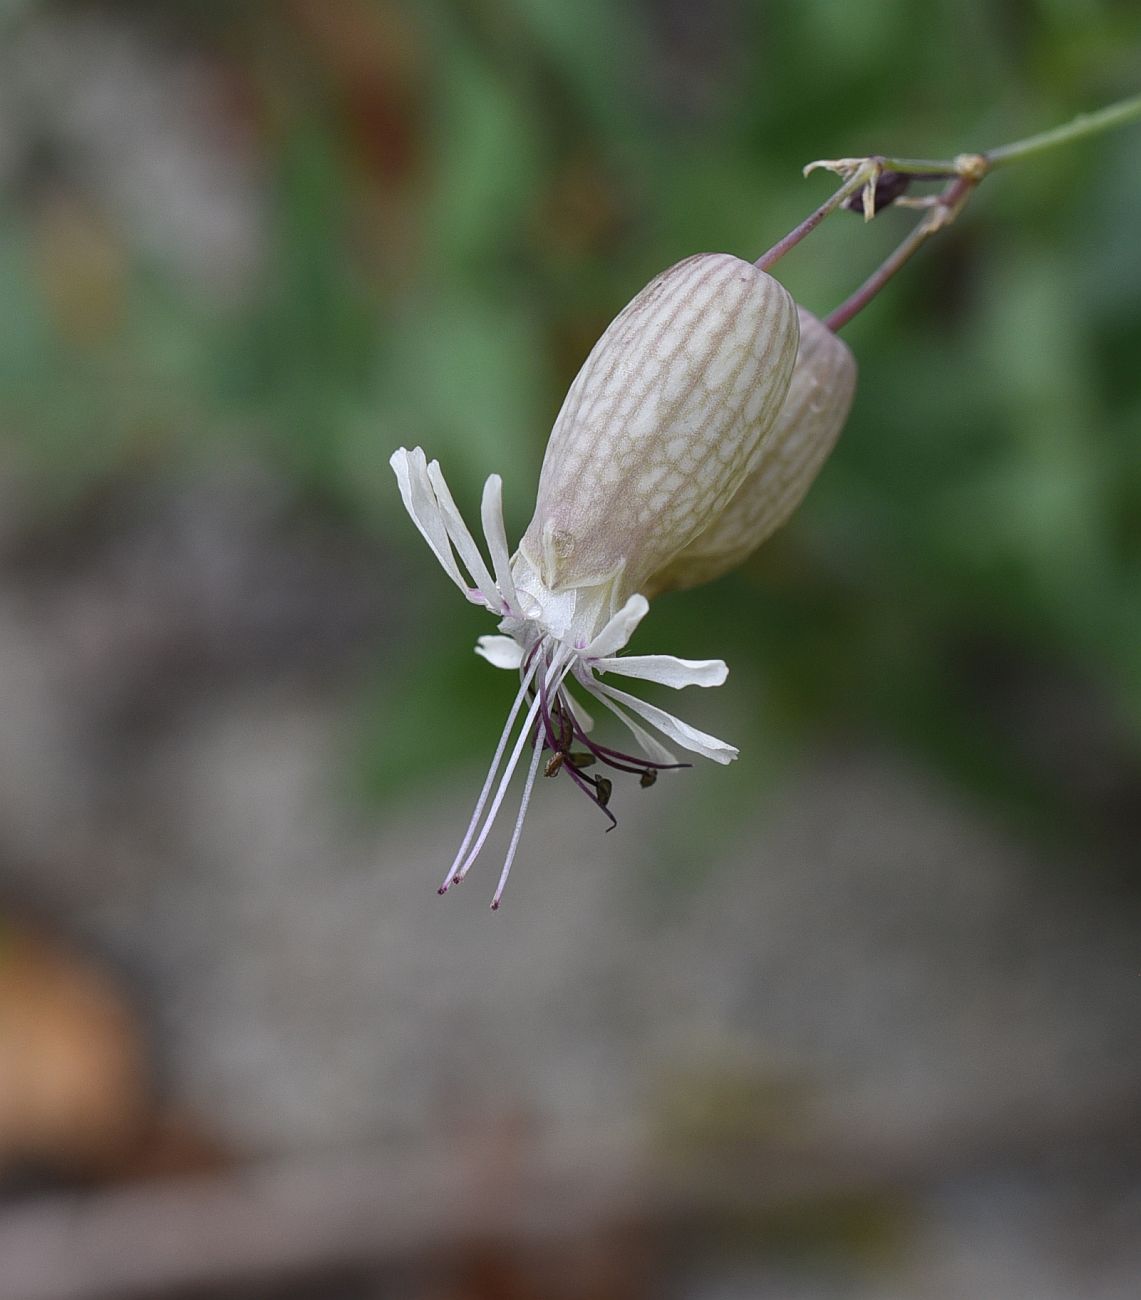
264 244
435 209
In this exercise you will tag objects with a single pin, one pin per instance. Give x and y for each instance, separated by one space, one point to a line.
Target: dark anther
647 779
580 760
889 187
604 786
561 718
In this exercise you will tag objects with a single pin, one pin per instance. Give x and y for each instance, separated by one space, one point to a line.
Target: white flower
658 432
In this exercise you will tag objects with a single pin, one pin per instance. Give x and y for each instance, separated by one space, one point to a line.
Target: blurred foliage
450 198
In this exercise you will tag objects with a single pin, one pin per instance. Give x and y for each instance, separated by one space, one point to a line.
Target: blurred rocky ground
868 995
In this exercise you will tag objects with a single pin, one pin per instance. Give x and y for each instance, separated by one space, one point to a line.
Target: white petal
491 511
666 669
584 720
463 541
500 651
619 630
681 732
654 750
419 500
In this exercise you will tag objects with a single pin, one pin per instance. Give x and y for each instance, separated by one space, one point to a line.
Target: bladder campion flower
665 421
680 447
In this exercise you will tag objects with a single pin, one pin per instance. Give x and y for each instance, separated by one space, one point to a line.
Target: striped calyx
786 463
661 425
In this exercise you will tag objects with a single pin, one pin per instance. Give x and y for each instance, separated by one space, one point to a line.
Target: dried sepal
818 401
659 428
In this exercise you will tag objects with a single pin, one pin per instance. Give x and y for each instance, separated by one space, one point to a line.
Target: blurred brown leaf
74 1088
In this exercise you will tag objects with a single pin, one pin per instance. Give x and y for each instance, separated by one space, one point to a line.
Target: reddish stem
947 207
809 224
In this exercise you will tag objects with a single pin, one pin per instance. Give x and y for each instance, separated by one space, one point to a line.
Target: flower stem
1105 119
851 186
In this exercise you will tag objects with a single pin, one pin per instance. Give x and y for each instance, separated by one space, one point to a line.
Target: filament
558 667
518 831
532 664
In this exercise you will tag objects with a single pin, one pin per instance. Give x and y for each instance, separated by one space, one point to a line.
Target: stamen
588 785
616 758
530 664
558 667
560 742
518 831
596 789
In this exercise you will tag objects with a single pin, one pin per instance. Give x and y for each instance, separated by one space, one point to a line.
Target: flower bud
818 401
661 424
